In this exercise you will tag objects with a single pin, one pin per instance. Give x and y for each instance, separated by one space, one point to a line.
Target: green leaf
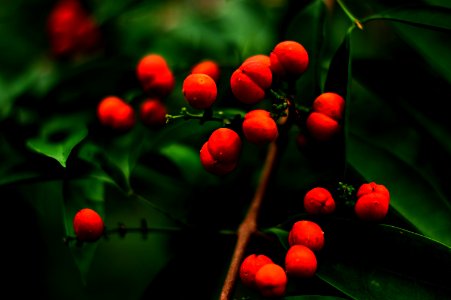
281 234
115 170
339 72
411 194
186 158
427 16
370 261
58 137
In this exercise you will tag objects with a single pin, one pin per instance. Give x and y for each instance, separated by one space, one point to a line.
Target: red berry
300 261
259 127
209 67
323 123
199 90
373 201
155 76
88 225
212 165
259 58
224 145
71 29
330 104
321 127
153 112
115 113
319 201
271 280
250 81
249 267
307 233
289 59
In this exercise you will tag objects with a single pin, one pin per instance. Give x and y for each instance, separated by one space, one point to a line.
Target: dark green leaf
339 72
428 16
411 194
370 261
58 137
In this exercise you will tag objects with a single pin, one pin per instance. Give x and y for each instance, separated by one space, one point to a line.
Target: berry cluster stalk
248 226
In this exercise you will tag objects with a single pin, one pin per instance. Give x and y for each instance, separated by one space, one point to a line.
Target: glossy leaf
428 16
58 137
411 194
377 261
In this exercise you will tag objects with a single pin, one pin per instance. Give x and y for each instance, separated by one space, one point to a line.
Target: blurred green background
55 158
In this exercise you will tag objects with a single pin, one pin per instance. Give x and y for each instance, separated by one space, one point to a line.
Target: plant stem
350 15
248 226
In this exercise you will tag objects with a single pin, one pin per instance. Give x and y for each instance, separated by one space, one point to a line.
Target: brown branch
248 227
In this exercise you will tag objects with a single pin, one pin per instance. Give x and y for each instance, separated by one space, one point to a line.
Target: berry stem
350 15
207 115
248 226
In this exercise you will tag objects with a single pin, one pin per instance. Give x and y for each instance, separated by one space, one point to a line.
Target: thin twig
249 225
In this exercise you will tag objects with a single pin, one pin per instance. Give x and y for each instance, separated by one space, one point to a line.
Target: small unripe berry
289 59
224 144
323 123
300 261
373 201
249 267
259 127
319 201
212 165
250 81
155 76
115 113
88 225
199 90
209 67
307 233
271 280
153 113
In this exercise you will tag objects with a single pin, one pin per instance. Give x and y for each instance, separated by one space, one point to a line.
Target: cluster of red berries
306 239
249 84
260 272
372 203
71 29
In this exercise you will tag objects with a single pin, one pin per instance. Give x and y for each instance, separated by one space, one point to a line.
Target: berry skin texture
289 59
115 113
259 58
323 123
271 280
259 127
319 201
199 90
249 267
212 165
219 155
153 113
307 233
300 261
250 81
88 225
373 201
330 104
225 145
209 67
155 76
